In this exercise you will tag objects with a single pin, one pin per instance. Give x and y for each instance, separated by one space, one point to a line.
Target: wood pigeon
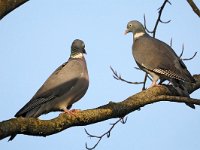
158 59
65 86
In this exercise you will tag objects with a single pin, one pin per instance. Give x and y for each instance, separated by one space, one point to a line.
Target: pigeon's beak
126 31
84 51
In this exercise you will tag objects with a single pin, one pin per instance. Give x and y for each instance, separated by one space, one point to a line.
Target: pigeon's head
78 47
135 27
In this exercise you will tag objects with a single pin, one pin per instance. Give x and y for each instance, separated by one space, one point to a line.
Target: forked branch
119 77
159 20
107 133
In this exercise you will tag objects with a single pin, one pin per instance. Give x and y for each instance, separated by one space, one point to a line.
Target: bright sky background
36 39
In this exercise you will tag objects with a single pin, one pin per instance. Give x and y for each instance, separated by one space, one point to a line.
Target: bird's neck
138 35
77 55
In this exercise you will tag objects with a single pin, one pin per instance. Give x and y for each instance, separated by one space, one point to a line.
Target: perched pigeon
64 87
158 59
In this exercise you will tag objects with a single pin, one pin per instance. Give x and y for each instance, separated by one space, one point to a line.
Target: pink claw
71 112
154 84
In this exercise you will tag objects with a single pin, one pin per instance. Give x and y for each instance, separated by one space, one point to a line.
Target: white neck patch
137 35
79 55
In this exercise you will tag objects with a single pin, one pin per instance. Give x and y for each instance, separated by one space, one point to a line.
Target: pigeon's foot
154 84
71 112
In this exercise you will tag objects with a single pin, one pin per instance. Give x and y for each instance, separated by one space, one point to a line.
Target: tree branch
160 10
119 77
184 59
194 7
107 133
6 6
37 127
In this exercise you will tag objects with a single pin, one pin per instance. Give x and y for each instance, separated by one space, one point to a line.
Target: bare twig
142 70
145 25
182 51
137 68
184 59
145 80
171 42
119 77
194 7
190 57
107 133
160 10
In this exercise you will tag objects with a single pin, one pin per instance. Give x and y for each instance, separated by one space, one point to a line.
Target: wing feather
160 57
58 83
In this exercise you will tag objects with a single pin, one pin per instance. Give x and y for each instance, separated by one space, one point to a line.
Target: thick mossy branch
33 126
6 6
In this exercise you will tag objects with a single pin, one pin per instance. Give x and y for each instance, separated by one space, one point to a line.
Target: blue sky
36 39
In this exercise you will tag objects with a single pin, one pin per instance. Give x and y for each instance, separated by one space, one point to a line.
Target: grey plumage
66 85
158 59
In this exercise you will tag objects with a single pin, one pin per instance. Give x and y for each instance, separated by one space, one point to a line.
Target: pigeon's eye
130 25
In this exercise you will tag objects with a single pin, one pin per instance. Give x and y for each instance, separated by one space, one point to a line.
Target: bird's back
155 54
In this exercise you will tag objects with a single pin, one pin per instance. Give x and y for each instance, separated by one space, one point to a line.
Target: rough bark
37 127
6 6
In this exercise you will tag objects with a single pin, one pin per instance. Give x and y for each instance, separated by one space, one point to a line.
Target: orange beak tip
126 31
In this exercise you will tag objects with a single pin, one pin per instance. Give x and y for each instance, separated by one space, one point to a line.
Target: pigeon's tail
12 137
190 105
182 90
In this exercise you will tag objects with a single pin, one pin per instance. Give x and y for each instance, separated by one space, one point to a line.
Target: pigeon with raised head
158 59
65 86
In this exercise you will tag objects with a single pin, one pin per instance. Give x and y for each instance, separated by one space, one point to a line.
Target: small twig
194 7
122 120
165 21
145 26
184 59
142 70
182 51
145 80
137 68
171 42
119 77
160 10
